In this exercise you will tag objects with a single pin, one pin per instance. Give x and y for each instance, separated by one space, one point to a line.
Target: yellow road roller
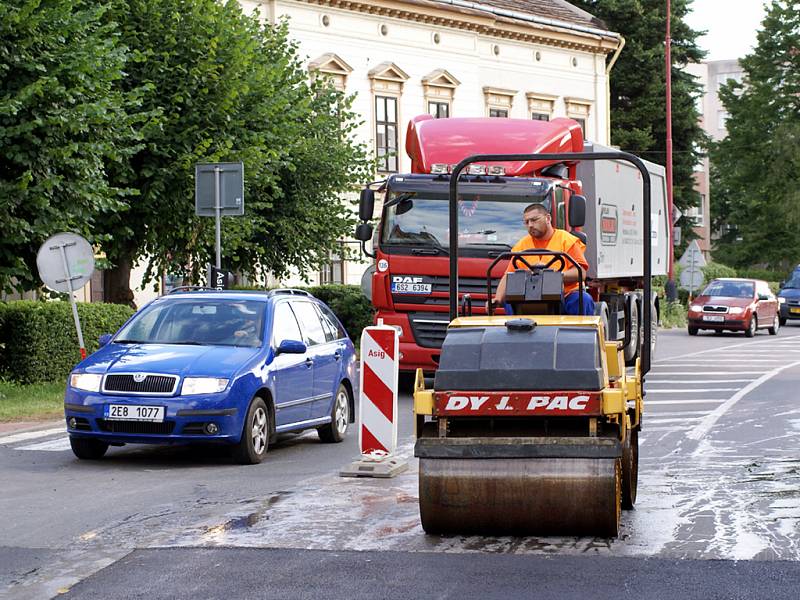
531 426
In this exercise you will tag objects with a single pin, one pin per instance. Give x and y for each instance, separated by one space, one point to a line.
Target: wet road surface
719 481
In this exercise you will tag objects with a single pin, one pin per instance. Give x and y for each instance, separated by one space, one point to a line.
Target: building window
386 133
579 111
724 78
440 110
696 214
498 101
722 117
540 106
498 112
333 272
540 116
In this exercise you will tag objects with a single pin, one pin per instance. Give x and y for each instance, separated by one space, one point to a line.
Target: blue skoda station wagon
215 366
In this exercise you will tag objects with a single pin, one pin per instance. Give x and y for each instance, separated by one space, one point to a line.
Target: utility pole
671 289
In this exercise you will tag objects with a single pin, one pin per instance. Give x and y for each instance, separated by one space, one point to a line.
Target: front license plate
411 288
794 310
714 318
127 412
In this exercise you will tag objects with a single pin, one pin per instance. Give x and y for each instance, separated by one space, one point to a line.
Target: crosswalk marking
29 435
56 445
651 382
691 390
697 401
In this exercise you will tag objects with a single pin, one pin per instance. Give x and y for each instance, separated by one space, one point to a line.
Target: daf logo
139 377
406 279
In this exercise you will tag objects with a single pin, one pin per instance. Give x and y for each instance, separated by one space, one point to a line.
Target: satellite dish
65 262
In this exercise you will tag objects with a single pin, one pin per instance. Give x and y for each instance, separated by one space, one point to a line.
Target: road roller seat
537 291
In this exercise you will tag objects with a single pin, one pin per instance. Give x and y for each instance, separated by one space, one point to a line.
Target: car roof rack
193 288
289 291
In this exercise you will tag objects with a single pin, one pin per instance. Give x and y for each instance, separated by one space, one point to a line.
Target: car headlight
695 308
781 300
203 385
89 382
736 310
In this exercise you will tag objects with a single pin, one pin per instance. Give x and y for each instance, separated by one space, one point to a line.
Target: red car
737 305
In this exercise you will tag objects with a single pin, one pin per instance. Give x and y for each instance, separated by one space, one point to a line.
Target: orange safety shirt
561 241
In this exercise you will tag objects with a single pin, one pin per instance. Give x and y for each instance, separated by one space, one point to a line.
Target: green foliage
765 274
61 120
673 314
223 87
755 170
638 89
39 341
348 303
714 270
34 401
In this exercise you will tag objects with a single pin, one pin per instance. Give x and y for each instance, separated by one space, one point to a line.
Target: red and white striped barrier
380 363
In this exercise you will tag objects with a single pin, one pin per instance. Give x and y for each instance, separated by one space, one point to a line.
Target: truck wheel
693 330
255 435
633 334
630 469
88 448
776 325
751 327
335 431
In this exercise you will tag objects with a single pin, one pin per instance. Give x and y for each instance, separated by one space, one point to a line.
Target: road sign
66 263
231 189
69 270
693 256
692 279
676 214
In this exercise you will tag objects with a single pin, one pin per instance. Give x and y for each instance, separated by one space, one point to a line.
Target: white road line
690 391
30 435
716 372
750 344
708 422
706 401
658 421
57 445
744 359
651 382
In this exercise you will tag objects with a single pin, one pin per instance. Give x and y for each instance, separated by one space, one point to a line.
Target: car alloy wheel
259 431
336 430
752 327
776 325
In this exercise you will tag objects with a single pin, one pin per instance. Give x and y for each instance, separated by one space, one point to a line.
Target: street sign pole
691 281
63 249
218 211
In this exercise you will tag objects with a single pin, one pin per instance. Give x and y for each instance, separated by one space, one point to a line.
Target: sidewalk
23 426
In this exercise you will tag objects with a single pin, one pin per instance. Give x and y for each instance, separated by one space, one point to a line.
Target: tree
755 170
61 120
221 86
638 89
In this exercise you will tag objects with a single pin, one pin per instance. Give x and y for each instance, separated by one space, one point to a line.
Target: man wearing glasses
543 236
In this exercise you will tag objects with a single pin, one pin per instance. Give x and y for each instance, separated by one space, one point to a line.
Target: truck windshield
420 219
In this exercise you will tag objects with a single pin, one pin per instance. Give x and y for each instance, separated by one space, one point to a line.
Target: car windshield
730 289
793 283
195 321
420 219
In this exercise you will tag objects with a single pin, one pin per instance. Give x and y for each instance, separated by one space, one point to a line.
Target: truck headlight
89 382
736 310
203 385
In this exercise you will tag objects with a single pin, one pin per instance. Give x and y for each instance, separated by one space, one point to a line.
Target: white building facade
521 59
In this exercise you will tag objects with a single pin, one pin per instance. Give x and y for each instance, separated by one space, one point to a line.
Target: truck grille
429 328
145 427
711 308
474 286
151 384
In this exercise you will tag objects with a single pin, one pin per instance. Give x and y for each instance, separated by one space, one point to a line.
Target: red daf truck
600 201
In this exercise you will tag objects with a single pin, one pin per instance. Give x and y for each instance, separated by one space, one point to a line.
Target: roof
558 10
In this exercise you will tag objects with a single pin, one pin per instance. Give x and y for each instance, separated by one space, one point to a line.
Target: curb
24 426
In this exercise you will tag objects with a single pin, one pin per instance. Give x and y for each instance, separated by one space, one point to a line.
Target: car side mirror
763 297
291 347
104 339
577 211
364 232
781 284
366 205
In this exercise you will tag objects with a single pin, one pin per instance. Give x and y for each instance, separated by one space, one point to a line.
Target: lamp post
671 289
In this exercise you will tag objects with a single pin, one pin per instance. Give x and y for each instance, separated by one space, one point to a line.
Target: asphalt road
718 514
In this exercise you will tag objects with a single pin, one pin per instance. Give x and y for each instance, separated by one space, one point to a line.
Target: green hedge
38 341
